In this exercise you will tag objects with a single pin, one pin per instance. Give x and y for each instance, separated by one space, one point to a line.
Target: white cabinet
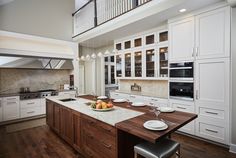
116 95
29 108
43 106
212 99
181 40
11 108
213 34
185 106
1 110
205 35
212 83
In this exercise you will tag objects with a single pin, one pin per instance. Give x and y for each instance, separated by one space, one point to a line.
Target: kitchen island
110 134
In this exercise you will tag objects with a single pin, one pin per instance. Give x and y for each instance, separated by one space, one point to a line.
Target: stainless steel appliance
38 94
182 71
182 90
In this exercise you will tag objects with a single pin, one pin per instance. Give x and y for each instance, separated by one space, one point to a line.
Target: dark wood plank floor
41 142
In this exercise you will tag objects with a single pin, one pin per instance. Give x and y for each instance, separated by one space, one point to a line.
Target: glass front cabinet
143 57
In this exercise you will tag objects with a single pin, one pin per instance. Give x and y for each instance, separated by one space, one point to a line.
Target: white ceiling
2 2
146 23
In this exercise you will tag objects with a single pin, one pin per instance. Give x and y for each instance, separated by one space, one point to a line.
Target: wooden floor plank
41 142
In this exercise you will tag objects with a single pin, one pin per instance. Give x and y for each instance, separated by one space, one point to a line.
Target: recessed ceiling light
182 10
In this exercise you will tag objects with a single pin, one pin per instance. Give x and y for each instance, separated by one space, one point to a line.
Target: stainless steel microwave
181 71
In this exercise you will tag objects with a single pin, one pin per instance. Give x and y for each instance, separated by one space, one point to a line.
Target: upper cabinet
206 35
143 56
212 34
181 43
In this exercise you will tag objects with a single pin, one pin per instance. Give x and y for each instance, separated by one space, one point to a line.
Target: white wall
47 18
233 43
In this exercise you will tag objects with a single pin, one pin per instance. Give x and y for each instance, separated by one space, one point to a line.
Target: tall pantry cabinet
206 41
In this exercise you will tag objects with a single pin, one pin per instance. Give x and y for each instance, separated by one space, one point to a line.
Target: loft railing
97 12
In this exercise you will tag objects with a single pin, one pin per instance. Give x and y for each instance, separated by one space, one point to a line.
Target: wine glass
154 109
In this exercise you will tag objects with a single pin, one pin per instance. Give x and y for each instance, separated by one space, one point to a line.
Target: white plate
119 100
155 129
138 104
103 110
155 124
102 97
166 109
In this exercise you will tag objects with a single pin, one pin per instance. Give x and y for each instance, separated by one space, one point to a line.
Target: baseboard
232 148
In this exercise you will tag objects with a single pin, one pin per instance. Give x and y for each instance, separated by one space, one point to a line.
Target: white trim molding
232 148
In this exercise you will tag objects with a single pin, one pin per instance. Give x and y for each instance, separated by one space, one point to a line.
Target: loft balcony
98 23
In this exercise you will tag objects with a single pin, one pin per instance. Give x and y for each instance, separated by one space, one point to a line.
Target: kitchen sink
67 99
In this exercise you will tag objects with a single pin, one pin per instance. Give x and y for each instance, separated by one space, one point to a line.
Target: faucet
135 87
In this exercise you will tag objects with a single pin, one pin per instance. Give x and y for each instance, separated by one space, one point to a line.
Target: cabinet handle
30 103
90 136
11 103
132 96
193 52
197 51
116 94
109 130
154 99
181 107
11 99
91 122
213 113
197 95
210 130
30 112
106 145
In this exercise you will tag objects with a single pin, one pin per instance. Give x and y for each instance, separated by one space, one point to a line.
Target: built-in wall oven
181 84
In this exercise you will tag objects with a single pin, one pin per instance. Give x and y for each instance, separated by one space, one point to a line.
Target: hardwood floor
41 142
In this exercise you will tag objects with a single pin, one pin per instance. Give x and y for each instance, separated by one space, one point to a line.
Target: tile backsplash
148 87
11 80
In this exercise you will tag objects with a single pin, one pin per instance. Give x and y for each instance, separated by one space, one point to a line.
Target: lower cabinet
66 124
185 106
11 108
88 136
1 110
104 135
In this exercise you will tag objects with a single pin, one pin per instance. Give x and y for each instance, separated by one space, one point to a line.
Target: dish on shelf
166 109
138 104
155 125
119 100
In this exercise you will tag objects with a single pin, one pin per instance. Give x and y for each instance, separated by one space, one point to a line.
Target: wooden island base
96 139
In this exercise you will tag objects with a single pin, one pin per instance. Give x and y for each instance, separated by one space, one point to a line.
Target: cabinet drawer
156 101
183 107
213 113
11 99
28 112
212 132
29 103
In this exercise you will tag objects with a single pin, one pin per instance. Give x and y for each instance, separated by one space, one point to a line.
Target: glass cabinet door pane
118 66
163 61
138 64
113 81
150 63
150 39
127 44
138 42
163 36
106 74
118 46
128 65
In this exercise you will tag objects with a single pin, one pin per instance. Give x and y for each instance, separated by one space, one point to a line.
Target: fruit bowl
102 106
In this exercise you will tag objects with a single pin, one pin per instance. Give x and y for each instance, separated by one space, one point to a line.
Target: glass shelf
138 64
150 63
128 65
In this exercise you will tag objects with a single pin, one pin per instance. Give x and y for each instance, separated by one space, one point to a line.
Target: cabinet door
77 131
66 125
56 118
119 65
1 110
181 40
212 83
11 108
49 113
213 34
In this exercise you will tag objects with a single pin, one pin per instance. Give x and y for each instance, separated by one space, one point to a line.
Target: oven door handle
179 68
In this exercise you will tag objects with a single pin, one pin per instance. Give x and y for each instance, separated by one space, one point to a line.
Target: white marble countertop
140 93
110 117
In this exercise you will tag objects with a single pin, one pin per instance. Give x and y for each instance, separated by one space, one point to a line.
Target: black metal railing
98 12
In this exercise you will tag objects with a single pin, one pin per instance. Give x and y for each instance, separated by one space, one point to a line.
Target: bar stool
165 148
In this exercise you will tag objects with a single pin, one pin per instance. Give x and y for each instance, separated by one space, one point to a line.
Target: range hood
35 62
